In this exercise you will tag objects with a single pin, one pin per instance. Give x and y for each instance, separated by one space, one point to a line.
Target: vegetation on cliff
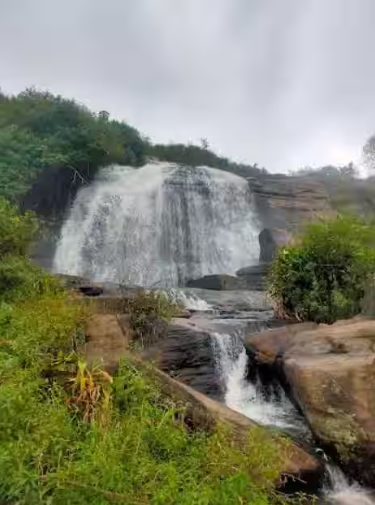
39 130
322 275
70 434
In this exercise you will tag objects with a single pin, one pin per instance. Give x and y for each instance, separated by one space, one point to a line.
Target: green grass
133 447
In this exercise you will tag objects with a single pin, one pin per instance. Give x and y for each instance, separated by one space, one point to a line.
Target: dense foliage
193 155
39 130
73 434
322 275
150 312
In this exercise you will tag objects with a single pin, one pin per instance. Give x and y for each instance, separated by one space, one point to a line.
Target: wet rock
331 374
217 282
186 353
254 277
268 345
270 239
91 290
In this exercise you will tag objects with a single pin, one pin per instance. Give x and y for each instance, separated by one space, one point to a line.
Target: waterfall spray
161 224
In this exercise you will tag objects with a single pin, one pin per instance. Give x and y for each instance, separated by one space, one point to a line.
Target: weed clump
150 312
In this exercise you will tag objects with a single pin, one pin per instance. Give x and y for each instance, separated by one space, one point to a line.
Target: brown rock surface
269 344
286 202
108 337
331 373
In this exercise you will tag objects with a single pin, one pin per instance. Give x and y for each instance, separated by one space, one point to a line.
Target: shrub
150 313
322 276
16 231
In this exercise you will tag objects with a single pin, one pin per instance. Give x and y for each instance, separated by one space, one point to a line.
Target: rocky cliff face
285 202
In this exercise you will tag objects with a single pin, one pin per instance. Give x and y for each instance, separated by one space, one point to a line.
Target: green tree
322 276
39 130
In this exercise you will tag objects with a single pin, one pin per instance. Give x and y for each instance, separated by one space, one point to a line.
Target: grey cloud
284 83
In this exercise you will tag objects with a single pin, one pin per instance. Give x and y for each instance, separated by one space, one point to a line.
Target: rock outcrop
270 239
217 282
331 374
186 354
252 278
285 202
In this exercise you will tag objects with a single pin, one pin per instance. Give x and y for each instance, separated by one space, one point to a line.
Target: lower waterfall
249 399
159 225
274 410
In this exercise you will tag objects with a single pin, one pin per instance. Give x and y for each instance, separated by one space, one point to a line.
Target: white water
245 397
277 410
189 300
159 225
341 492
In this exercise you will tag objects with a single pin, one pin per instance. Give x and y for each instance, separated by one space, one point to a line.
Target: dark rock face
254 277
54 190
186 354
219 282
270 240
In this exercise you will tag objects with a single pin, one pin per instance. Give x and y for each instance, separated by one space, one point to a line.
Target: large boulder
254 277
268 345
270 239
287 202
330 371
217 282
186 352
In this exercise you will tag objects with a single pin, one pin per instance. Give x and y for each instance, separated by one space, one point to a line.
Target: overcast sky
284 83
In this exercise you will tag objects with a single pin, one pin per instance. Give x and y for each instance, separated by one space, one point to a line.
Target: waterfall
340 491
273 409
159 225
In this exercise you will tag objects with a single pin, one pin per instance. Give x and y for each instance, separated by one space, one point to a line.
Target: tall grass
71 435
142 453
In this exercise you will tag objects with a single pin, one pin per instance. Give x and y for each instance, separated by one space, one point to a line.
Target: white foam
341 492
240 394
159 225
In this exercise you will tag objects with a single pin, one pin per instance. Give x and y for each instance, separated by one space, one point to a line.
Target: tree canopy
39 130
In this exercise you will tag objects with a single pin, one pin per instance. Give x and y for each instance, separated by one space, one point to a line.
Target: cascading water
159 225
275 410
248 398
340 491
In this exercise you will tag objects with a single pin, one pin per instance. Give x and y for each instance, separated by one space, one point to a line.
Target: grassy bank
69 435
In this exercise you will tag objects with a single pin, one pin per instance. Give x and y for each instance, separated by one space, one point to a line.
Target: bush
322 276
150 313
16 231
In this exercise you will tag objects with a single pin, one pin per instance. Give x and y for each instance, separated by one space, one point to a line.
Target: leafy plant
16 230
150 313
89 392
322 276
